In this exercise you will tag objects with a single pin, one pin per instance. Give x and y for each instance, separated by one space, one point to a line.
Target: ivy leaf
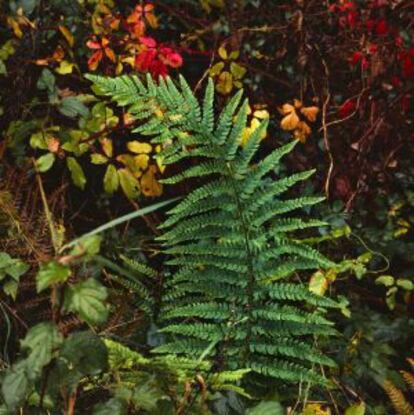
129 183
41 341
15 386
111 179
87 299
78 176
73 106
45 162
51 273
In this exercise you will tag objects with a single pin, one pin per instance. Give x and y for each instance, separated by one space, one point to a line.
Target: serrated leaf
76 171
111 179
87 299
41 341
45 162
15 386
51 273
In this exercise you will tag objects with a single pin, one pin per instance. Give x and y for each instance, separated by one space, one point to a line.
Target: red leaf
148 41
145 59
347 108
170 58
93 44
382 28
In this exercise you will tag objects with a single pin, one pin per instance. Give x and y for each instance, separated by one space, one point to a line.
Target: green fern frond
229 241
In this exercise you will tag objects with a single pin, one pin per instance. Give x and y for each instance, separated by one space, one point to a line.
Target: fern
229 239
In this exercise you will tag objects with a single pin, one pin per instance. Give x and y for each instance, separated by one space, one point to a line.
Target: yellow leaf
15 27
316 409
216 69
65 68
149 184
129 161
261 114
310 113
290 122
223 53
67 35
234 55
318 283
141 161
138 147
225 83
238 71
107 146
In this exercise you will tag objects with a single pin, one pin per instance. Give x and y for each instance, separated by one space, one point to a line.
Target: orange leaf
67 35
310 113
94 60
290 122
110 54
286 109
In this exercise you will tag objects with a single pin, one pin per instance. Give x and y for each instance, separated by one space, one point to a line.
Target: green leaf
114 406
357 409
87 299
45 162
89 245
386 280
51 273
15 386
38 140
405 284
129 184
72 107
82 354
47 81
41 341
111 179
10 288
266 408
98 159
76 171
3 70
